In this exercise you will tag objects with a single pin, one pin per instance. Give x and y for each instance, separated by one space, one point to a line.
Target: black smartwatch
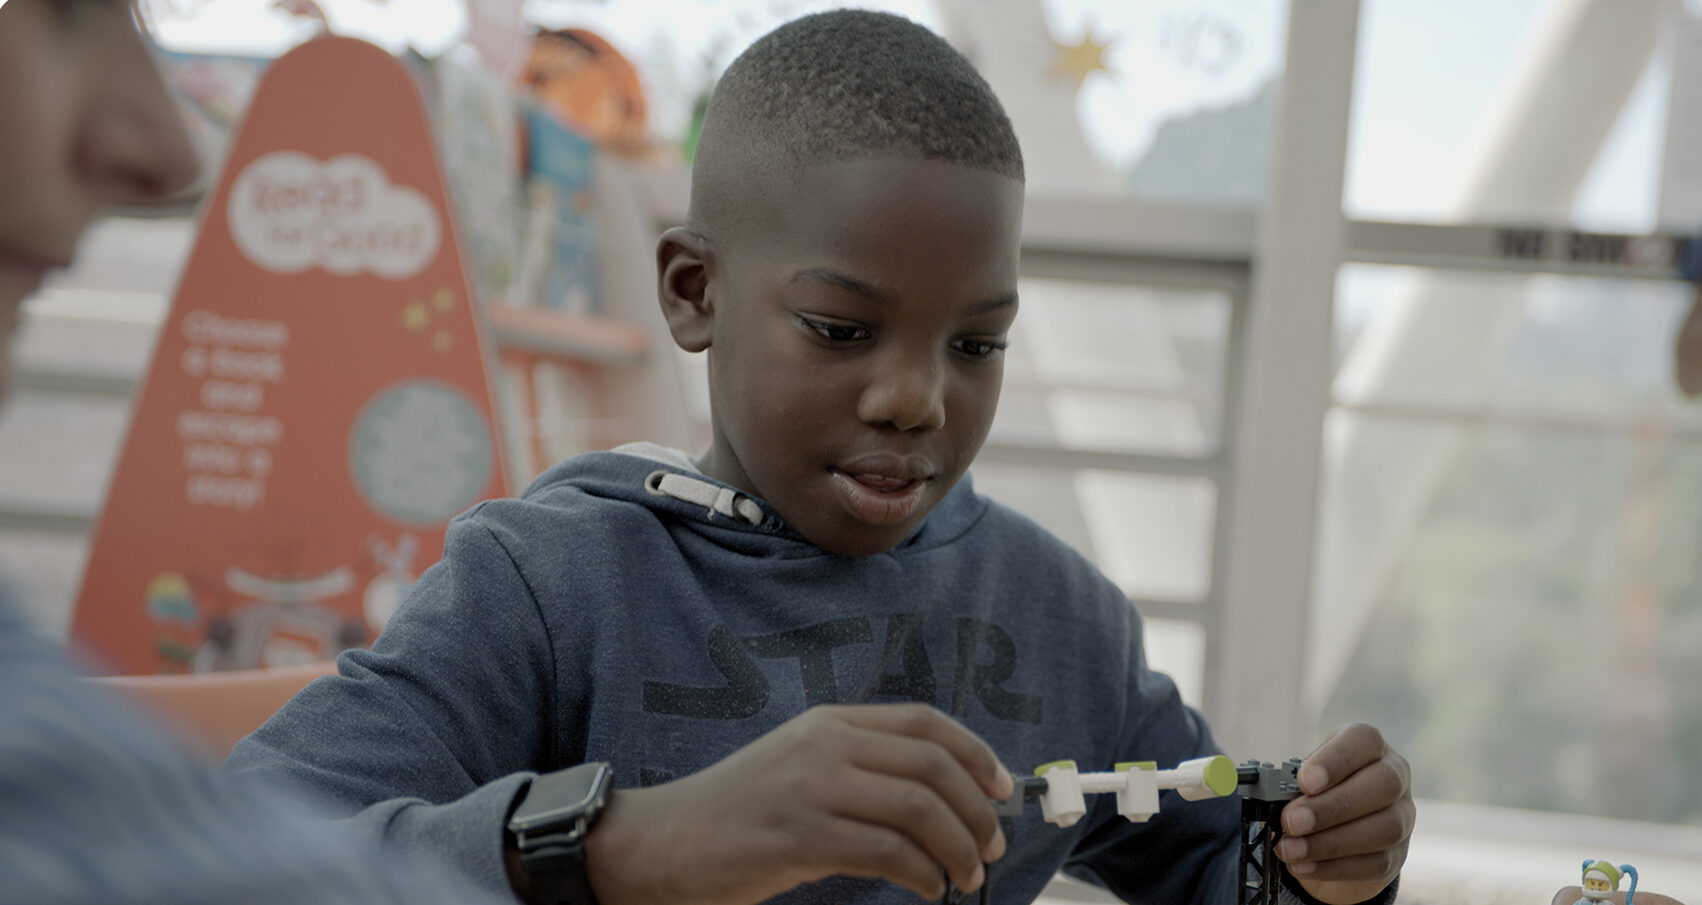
548 828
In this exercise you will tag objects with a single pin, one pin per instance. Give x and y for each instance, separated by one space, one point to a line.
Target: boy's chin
842 547
858 540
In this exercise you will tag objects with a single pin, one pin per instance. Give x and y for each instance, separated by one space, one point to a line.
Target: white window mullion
1278 437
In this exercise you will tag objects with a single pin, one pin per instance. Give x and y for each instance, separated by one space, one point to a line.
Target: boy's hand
1345 838
894 791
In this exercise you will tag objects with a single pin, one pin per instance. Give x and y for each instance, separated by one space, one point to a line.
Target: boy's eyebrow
872 292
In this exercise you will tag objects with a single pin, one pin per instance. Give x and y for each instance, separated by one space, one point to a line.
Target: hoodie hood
666 482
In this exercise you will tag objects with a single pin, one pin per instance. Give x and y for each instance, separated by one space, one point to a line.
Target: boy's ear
683 261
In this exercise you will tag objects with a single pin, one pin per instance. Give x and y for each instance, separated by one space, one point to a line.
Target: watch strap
556 870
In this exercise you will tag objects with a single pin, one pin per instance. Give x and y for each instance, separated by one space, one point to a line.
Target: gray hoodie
628 609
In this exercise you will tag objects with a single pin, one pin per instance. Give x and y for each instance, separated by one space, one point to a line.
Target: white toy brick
1138 799
1201 778
1062 802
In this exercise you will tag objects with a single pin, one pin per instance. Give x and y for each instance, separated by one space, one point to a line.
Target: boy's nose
907 394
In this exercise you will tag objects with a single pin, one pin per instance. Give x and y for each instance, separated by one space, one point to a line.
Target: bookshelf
569 337
559 239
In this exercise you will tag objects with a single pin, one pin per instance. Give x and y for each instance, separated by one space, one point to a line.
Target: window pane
1508 579
1181 112
1566 348
1466 135
60 448
1532 640
1115 367
1177 648
1150 534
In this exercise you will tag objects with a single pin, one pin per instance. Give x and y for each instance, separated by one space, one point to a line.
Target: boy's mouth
876 498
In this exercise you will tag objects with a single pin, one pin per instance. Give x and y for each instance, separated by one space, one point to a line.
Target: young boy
96 803
851 269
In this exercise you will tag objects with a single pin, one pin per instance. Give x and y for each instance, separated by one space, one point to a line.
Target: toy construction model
1264 790
1061 789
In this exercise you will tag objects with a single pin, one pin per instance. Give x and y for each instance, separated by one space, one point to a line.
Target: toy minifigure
1602 878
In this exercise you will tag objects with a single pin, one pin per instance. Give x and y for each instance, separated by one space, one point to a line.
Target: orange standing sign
318 406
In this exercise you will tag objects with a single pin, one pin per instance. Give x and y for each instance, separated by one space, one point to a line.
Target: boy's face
86 123
855 324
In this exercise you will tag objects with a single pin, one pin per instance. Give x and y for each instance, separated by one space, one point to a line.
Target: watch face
562 795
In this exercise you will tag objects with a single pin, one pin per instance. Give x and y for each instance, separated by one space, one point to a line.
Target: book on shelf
475 117
559 251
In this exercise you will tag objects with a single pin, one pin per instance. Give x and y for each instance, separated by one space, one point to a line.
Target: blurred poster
318 405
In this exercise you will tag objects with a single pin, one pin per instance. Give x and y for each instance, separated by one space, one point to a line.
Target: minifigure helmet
1602 870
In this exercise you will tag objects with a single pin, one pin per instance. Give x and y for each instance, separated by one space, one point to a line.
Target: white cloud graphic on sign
288 212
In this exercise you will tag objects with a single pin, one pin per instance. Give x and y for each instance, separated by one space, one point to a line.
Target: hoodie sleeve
424 741
97 804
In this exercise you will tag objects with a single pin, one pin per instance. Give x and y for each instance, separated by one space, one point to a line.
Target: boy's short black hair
849 84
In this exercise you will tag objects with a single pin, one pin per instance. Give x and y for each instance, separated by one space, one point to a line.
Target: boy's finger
1385 830
934 769
865 850
1347 750
924 722
913 809
1377 868
1365 791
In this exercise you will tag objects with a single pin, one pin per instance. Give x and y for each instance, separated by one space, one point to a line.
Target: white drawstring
723 500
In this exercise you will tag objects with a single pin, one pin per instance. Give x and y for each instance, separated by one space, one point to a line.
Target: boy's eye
981 348
837 333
